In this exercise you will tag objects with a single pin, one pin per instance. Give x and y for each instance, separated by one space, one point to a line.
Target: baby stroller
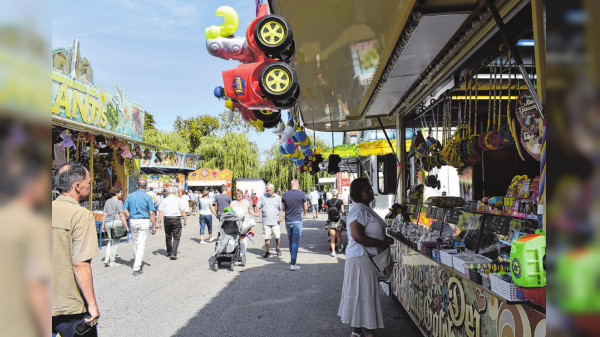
227 248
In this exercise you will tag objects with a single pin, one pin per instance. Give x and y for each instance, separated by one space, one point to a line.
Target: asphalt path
185 298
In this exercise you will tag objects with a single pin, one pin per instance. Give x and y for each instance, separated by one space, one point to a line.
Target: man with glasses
272 215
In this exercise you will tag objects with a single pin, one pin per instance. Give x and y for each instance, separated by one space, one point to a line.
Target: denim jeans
63 324
205 220
294 230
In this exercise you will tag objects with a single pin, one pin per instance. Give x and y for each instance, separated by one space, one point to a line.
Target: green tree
279 170
169 140
149 121
194 128
238 124
230 151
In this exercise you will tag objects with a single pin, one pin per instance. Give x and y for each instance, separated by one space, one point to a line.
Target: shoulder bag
383 261
119 231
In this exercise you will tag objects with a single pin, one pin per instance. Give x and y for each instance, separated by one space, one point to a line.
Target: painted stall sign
75 97
170 159
444 304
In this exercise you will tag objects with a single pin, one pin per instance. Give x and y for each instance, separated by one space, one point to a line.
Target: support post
91 195
401 147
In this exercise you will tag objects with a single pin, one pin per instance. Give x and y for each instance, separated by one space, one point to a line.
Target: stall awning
193 183
378 147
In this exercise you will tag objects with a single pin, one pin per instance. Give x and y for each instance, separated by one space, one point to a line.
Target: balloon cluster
296 144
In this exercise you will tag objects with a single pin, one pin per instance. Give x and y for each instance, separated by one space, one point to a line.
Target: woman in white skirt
360 305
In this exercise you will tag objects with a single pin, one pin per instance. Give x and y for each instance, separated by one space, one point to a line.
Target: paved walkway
185 298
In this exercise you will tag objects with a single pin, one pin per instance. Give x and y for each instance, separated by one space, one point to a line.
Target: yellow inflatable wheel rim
272 33
278 80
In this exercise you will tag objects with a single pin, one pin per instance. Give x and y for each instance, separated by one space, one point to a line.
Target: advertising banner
443 303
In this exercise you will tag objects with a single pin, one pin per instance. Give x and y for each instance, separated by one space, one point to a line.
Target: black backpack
333 212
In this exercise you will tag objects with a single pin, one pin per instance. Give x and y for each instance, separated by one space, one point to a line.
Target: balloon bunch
295 142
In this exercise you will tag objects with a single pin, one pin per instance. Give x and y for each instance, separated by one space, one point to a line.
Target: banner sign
170 159
442 303
76 99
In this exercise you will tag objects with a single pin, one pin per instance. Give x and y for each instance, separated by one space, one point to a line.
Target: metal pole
401 146
389 141
502 28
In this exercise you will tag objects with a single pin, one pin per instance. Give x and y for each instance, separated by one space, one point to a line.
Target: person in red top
254 201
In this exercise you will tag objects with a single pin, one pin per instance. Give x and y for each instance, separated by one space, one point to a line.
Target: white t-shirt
314 197
329 195
185 200
240 208
171 206
374 227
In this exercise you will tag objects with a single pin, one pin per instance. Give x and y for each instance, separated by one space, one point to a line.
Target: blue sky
155 50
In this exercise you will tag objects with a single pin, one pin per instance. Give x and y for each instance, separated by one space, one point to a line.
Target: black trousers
172 234
63 324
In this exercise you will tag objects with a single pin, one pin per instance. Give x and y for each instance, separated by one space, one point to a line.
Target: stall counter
443 303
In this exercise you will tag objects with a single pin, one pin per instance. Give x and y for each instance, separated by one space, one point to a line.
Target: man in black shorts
335 209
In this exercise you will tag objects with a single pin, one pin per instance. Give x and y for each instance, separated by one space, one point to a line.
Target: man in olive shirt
74 244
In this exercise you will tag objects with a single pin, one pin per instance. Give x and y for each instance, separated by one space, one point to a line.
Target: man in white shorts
272 215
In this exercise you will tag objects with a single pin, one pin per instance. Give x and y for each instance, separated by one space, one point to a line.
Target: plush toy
67 141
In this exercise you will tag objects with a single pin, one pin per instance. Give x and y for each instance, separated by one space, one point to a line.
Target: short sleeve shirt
223 200
171 206
113 207
270 208
139 204
294 204
254 200
74 239
374 227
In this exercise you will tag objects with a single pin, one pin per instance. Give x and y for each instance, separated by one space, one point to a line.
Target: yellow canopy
378 147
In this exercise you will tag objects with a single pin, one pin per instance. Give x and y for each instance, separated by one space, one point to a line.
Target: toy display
528 259
264 83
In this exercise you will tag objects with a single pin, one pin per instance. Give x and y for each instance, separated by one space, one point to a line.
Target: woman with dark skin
360 305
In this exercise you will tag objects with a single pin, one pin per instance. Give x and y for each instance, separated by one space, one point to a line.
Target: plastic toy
264 81
528 260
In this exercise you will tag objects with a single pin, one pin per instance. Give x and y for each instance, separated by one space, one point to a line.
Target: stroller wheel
213 264
243 260
231 265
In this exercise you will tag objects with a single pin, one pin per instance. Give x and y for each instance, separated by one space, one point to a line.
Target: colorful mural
169 159
443 303
205 174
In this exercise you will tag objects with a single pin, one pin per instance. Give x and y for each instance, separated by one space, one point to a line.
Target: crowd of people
74 306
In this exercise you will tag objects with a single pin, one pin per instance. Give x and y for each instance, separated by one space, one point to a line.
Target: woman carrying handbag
114 224
360 305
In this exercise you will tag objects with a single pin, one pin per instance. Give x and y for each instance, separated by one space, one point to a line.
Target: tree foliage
237 124
231 151
169 140
279 170
194 128
149 121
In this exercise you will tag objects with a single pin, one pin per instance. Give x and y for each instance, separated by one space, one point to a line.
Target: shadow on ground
270 300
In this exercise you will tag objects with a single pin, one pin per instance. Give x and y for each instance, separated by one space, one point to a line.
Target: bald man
141 212
294 205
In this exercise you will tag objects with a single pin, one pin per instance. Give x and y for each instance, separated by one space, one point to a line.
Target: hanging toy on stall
264 83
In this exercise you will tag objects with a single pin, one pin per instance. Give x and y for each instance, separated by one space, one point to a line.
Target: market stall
209 178
467 79
165 168
101 129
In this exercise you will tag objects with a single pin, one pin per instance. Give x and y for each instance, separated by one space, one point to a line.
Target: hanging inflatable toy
264 83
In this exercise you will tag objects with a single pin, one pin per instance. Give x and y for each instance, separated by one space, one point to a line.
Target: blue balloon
219 92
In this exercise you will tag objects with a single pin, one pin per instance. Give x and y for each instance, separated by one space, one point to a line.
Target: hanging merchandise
526 114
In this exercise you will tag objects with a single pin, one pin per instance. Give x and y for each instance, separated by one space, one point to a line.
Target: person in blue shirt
141 213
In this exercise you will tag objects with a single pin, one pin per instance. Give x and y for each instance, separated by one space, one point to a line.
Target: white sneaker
341 248
294 267
332 254
202 242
